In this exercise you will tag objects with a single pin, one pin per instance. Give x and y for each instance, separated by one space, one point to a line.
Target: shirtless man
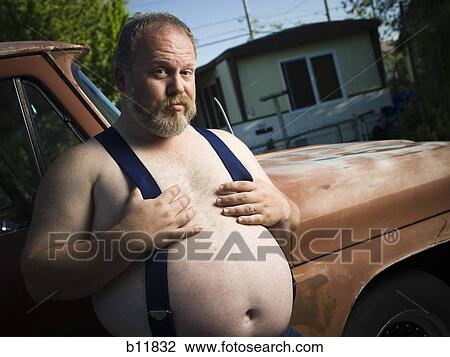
85 190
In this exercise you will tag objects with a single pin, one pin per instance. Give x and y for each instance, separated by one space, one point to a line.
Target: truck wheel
407 303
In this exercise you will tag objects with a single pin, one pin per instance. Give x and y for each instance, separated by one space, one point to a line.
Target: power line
303 14
217 22
281 13
292 19
220 34
306 14
266 13
223 40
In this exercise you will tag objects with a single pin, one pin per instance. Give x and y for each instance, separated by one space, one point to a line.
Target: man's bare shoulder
81 161
63 202
243 153
234 144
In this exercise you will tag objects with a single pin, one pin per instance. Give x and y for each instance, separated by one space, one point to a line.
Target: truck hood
366 187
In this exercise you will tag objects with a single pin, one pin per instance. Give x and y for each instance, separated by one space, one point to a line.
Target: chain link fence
359 128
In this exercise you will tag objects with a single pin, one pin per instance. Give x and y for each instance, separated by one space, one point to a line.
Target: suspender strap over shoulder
128 161
160 317
237 171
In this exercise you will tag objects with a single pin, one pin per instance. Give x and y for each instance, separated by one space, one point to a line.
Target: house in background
315 83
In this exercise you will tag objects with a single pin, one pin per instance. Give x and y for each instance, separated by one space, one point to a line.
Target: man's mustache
178 99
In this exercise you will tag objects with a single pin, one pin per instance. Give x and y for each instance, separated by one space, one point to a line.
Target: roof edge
24 48
312 32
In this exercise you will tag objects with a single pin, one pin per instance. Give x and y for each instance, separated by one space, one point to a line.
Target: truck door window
19 177
54 132
5 200
102 103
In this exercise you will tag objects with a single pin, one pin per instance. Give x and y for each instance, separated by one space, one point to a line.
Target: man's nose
175 86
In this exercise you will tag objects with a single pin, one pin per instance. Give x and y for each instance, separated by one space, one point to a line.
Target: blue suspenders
237 171
160 317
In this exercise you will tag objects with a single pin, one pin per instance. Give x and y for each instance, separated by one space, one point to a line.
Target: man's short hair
135 27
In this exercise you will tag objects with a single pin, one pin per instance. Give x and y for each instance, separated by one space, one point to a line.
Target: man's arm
64 205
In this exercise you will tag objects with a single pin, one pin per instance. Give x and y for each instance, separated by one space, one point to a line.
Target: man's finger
184 217
170 193
241 210
166 237
181 203
237 186
236 199
250 220
190 231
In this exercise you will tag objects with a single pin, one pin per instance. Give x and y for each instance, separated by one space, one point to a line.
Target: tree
95 23
387 11
432 74
423 31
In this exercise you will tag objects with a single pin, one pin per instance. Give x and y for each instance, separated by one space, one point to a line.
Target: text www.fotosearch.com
223 346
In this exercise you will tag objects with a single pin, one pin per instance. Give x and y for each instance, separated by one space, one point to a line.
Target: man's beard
160 120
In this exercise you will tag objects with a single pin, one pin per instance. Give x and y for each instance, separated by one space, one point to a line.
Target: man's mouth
178 107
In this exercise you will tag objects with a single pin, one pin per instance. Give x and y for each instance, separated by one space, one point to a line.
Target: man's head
155 71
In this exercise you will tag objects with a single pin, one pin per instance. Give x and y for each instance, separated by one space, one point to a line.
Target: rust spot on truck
316 305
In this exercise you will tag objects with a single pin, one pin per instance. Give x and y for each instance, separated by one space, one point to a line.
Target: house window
214 117
311 80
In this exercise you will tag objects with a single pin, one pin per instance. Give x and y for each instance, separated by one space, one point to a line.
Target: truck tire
406 303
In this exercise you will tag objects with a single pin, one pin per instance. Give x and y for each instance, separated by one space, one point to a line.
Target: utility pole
374 14
327 10
250 30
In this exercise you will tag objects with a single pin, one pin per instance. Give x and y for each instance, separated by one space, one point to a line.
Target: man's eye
160 72
186 73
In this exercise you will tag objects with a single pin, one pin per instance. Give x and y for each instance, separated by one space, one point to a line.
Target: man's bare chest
198 172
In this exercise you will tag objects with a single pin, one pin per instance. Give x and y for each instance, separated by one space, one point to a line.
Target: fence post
356 131
274 97
364 129
341 140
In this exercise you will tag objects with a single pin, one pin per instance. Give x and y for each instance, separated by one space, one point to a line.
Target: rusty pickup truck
371 256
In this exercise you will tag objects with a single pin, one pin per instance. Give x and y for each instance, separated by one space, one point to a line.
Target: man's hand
164 218
255 203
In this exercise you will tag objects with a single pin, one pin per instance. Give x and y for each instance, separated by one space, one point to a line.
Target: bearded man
163 183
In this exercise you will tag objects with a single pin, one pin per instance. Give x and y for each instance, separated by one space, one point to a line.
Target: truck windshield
103 104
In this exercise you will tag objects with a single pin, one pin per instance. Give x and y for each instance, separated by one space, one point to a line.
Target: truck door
34 131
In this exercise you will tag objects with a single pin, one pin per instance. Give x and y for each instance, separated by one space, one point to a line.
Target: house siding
229 93
221 71
261 75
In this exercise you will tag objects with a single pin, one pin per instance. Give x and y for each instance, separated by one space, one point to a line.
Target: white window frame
308 57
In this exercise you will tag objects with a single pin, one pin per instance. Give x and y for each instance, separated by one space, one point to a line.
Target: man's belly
229 280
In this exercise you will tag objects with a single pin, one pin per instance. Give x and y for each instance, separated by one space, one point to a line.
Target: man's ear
121 80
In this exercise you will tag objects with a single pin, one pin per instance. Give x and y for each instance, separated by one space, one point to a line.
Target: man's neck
138 136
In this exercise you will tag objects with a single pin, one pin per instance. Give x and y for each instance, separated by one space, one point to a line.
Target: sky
219 20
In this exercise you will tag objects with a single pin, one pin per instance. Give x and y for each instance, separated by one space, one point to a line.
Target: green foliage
387 11
395 63
427 35
95 23
437 119
432 99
